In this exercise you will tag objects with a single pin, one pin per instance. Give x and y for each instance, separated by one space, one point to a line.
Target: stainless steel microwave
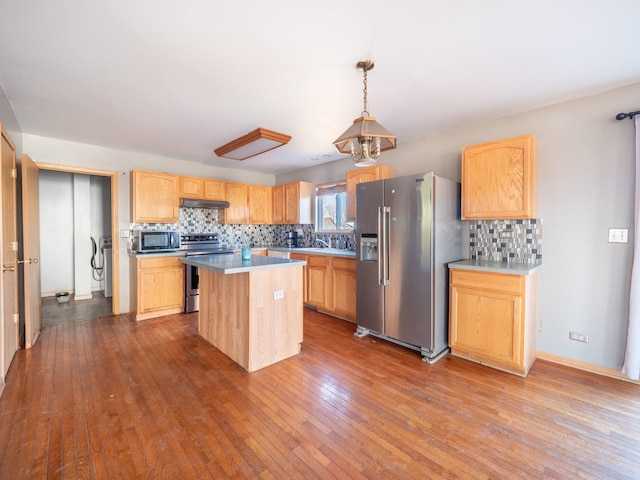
150 241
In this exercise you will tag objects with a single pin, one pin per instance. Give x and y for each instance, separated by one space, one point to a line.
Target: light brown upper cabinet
292 203
191 187
499 179
154 197
215 189
361 175
260 202
238 197
202 188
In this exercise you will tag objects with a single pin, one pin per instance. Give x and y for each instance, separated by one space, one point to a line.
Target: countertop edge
509 268
246 265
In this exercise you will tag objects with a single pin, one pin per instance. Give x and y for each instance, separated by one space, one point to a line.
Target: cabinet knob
8 268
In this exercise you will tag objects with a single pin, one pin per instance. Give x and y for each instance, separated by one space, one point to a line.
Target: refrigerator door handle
380 246
386 216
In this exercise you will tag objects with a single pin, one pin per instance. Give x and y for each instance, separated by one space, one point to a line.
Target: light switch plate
618 235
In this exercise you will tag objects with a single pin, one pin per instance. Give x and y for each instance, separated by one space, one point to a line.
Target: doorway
75 237
94 303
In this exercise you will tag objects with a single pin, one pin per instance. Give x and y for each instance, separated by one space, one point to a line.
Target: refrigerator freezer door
408 295
369 291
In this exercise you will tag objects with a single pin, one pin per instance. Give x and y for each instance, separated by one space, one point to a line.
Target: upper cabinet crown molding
499 179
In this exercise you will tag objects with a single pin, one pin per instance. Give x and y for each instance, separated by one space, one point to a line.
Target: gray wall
586 176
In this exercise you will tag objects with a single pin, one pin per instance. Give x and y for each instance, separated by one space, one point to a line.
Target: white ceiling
181 78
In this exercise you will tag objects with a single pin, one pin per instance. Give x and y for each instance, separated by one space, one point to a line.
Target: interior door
31 249
8 254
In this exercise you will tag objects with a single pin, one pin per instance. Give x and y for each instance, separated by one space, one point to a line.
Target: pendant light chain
365 112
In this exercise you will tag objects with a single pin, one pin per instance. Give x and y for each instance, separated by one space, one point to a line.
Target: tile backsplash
202 220
518 241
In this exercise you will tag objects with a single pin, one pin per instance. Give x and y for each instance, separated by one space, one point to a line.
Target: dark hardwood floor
111 398
54 313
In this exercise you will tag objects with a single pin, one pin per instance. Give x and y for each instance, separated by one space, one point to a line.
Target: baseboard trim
586 366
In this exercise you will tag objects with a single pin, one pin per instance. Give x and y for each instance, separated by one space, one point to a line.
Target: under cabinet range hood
215 204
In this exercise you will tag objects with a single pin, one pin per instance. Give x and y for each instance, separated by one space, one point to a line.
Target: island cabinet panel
238 197
343 280
361 175
260 204
154 197
215 189
158 287
492 319
191 187
255 318
498 179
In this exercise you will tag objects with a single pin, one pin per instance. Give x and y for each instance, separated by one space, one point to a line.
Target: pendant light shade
365 139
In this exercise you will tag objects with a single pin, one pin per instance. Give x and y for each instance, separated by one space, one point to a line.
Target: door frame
115 238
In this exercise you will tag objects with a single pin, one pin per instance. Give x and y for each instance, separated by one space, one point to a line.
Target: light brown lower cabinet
331 285
492 319
157 287
300 256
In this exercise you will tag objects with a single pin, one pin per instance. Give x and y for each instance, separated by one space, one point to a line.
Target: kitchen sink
325 251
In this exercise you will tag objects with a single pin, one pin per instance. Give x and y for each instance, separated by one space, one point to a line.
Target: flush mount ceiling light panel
252 144
366 138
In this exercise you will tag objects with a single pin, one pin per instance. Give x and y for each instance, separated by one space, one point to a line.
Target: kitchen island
251 310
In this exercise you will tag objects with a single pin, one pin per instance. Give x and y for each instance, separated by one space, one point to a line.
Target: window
331 208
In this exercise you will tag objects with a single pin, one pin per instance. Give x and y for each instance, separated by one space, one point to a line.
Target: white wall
586 175
60 152
56 232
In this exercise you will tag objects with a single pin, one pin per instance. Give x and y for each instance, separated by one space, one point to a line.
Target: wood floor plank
113 398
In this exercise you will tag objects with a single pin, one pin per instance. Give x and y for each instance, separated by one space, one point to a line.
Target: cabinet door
498 179
154 197
487 318
191 187
299 256
343 280
160 285
215 190
361 175
238 197
297 203
318 281
278 204
260 204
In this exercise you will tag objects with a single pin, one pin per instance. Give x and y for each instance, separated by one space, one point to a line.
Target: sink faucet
328 245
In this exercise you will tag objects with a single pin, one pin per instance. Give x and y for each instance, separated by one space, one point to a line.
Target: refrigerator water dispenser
369 247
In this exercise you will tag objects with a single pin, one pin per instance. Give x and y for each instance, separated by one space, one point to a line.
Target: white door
31 249
8 255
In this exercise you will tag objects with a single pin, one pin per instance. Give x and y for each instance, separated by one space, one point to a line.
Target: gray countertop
334 252
496 267
228 264
175 253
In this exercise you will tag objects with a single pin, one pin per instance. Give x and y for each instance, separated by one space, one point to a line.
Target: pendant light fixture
366 138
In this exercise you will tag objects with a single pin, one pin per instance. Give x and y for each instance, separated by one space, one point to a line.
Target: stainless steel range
198 244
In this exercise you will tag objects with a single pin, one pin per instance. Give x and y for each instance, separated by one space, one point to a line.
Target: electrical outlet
124 233
278 294
579 337
618 235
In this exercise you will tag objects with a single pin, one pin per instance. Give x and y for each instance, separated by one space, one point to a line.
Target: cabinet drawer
344 263
318 261
158 262
499 282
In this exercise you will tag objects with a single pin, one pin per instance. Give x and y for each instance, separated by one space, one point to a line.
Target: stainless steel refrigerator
407 230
